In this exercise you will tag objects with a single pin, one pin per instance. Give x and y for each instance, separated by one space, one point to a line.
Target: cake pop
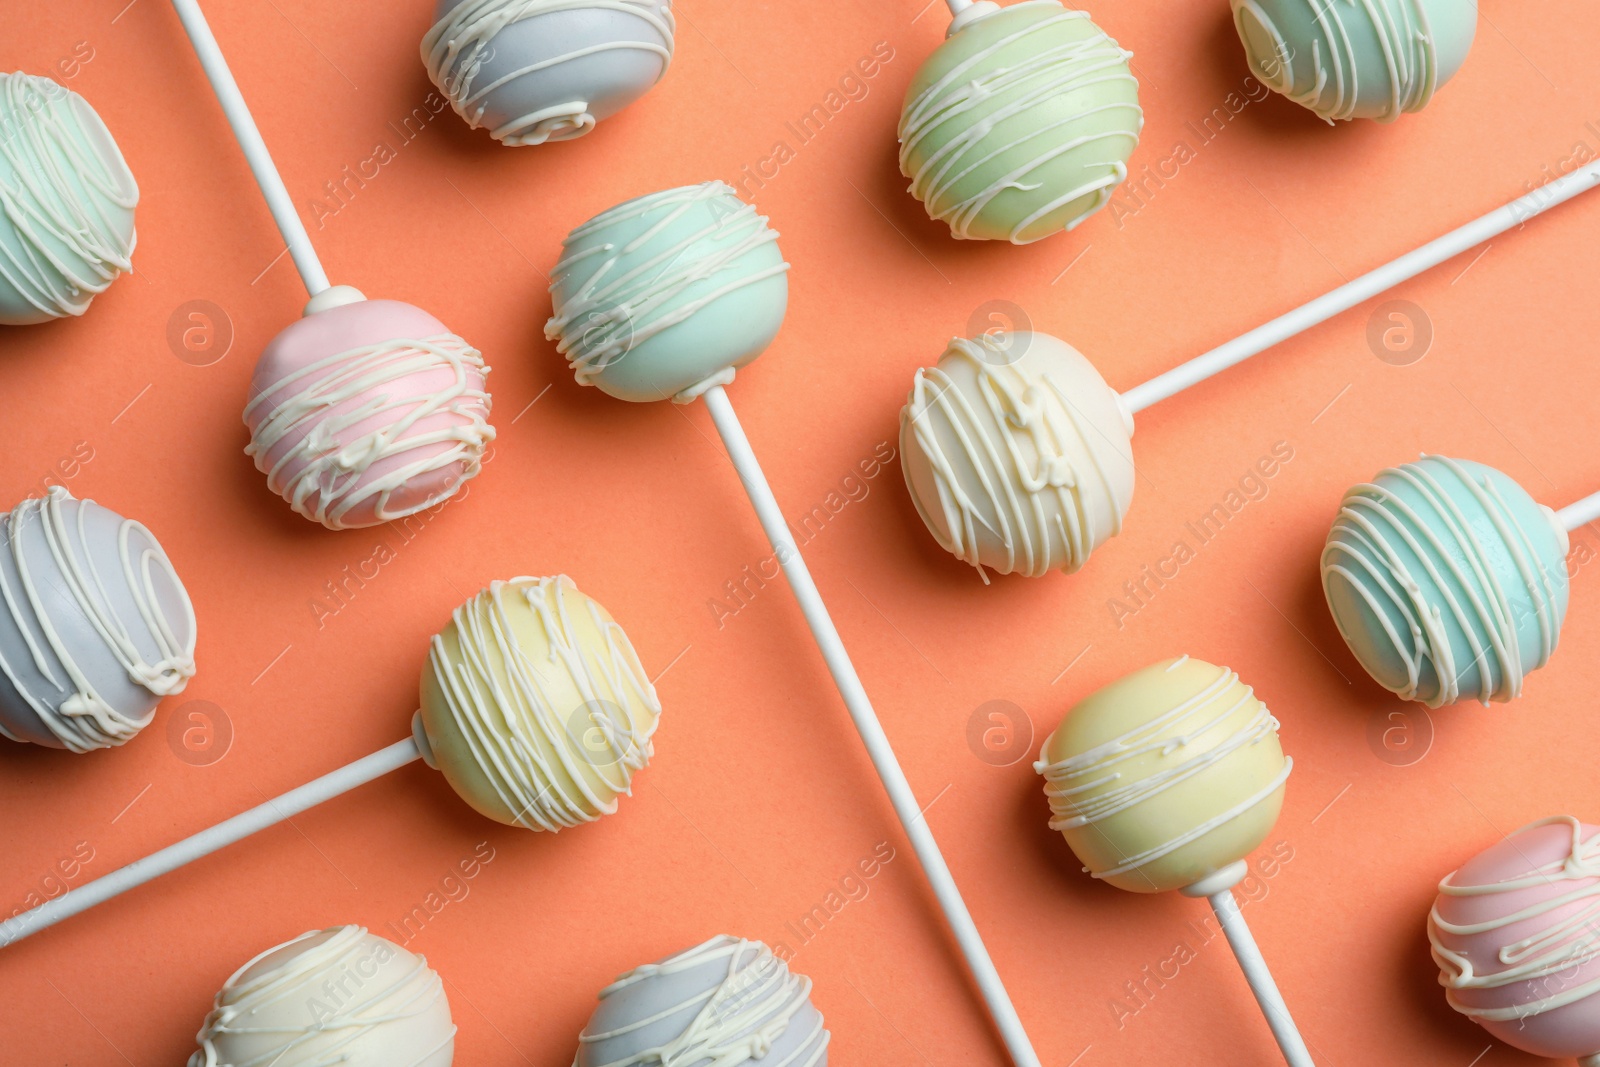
1023 455
1513 933
667 293
727 1001
66 202
534 707
546 70
339 995
1373 60
97 627
366 411
1446 579
362 412
667 296
1021 123
1167 779
1015 450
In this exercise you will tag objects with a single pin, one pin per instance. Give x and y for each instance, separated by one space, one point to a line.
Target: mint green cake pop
667 295
1446 578
1020 125
1375 59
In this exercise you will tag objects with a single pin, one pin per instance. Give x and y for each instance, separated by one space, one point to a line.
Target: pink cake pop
366 411
362 412
1516 935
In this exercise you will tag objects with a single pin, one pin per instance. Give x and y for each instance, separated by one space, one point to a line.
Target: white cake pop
336 996
546 70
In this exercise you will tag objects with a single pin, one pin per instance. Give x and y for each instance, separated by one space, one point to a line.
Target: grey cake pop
725 1002
546 70
95 627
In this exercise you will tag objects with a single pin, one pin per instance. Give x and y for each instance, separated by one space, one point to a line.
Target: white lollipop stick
1580 512
871 730
208 841
1218 891
251 143
1365 287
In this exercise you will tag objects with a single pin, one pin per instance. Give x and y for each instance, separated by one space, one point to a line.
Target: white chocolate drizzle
86 720
1077 786
1042 506
513 723
739 1020
1376 520
49 153
1410 57
459 44
619 308
254 1012
1560 947
325 474
967 93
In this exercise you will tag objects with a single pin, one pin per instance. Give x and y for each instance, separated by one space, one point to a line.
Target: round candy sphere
95 627
1445 579
666 295
1343 60
1166 777
66 202
546 70
366 411
1017 453
340 996
1020 125
535 706
1513 934
728 1001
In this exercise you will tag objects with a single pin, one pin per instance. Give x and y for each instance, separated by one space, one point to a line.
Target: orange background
760 799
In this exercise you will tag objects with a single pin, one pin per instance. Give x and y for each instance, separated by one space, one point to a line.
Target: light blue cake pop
725 1002
1352 59
1446 578
66 202
667 295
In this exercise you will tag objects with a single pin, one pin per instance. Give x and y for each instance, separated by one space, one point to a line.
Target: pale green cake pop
1356 59
1020 125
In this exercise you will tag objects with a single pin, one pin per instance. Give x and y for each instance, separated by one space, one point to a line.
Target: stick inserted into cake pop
535 708
364 411
1448 580
1168 779
665 297
1019 456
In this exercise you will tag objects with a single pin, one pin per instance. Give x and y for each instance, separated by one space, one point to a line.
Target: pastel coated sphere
546 70
340 995
95 627
668 294
1020 125
536 707
1165 777
1446 580
728 1001
367 411
1344 60
1017 454
66 202
1513 934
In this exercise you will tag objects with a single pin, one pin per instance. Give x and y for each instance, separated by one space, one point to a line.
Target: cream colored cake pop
337 996
535 706
1017 453
1165 777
